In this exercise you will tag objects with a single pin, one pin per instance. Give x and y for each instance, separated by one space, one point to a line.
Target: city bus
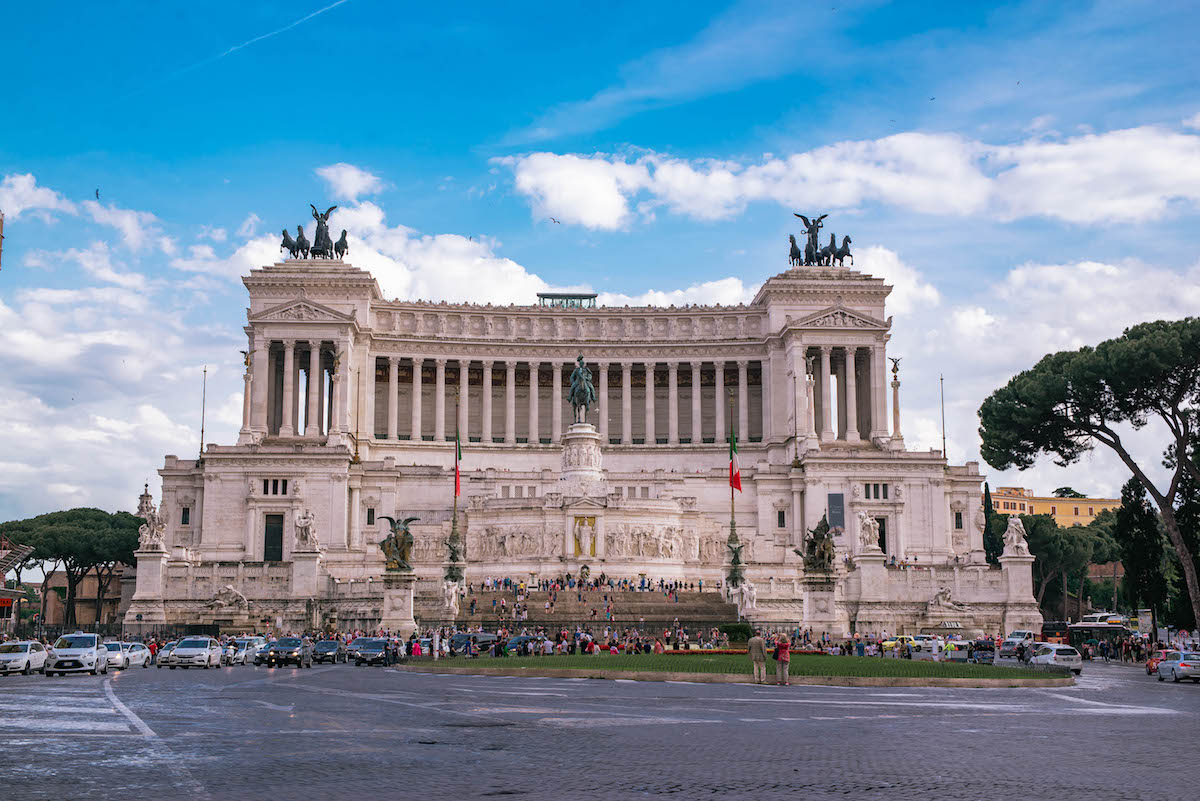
1055 631
1091 633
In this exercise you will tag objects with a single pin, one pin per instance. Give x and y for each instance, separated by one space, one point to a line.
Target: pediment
302 310
585 501
840 317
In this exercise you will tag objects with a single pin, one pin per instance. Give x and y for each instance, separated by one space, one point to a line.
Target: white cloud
20 193
1192 122
725 291
97 262
910 291
1133 174
347 182
216 234
248 256
137 227
249 226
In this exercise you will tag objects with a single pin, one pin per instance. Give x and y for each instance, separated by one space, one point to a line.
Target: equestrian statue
581 395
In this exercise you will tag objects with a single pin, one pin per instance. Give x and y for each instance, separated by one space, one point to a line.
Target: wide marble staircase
651 610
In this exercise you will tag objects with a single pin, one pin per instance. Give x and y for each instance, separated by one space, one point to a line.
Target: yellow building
1065 511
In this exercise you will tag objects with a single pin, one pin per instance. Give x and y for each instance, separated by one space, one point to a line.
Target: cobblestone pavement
341 731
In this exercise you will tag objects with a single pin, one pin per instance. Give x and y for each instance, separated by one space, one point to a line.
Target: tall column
312 418
650 433
626 403
510 402
464 395
296 393
556 402
697 408
416 399
534 428
672 403
765 392
852 394
879 427
826 406
743 429
259 365
393 406
896 435
337 384
604 404
323 405
719 401
289 364
366 426
248 379
486 410
439 401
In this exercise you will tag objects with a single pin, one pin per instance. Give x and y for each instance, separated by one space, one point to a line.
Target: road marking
156 744
1118 709
276 707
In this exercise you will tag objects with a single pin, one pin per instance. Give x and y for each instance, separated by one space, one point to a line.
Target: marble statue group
322 246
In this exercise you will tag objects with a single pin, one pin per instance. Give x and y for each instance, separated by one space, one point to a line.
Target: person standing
783 657
756 648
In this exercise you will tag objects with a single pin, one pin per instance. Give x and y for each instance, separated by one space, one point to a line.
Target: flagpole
457 446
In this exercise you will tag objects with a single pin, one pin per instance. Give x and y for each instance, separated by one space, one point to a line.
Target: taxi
899 641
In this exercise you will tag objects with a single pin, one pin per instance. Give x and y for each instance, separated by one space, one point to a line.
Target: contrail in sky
238 47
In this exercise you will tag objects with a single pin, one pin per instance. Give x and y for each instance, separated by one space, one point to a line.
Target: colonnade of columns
281 372
859 399
706 400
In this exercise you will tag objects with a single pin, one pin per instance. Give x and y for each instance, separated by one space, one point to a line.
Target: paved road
338 732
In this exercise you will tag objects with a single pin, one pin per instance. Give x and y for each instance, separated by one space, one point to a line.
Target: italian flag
457 459
735 469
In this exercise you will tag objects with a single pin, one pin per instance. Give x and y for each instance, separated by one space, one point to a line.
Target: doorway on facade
882 521
273 539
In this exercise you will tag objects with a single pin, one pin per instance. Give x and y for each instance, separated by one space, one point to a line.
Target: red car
1152 662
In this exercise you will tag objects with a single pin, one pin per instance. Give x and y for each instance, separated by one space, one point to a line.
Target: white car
1064 655
202 652
123 655
24 657
1008 648
77 653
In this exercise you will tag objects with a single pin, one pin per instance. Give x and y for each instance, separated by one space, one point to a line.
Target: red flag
735 469
457 459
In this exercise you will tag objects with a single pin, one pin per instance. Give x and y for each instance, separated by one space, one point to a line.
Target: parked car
1180 665
77 653
925 642
1063 655
22 657
371 653
202 652
358 642
123 655
332 651
1153 660
164 654
1008 648
244 652
483 640
897 642
290 651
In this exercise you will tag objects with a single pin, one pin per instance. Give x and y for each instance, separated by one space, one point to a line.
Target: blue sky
1027 175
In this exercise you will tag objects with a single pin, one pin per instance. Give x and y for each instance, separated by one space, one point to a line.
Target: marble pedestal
146 609
582 470
820 607
398 602
304 574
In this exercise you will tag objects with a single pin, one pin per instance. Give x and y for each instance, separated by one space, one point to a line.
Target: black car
332 651
371 653
483 641
290 651
260 656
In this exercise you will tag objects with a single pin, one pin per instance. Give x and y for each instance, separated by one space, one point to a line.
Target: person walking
783 657
756 648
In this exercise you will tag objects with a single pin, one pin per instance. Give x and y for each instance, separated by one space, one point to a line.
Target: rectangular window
781 519
371 516
1053 510
885 492
518 492
882 521
266 486
645 492
958 521
273 539
1090 512
531 492
283 487
867 491
274 486
185 516
504 491
876 492
1077 511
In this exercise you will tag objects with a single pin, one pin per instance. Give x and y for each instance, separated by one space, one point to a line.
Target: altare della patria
594 441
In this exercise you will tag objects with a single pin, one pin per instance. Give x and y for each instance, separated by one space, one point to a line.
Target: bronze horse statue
825 254
289 244
795 257
341 247
302 247
843 252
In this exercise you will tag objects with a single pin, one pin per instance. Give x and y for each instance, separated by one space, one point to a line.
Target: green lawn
729 663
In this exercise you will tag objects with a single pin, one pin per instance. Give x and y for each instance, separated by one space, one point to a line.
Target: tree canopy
1067 492
1071 400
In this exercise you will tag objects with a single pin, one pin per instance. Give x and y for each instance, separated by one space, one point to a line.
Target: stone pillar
896 407
826 404
697 407
852 394
556 402
397 614
743 429
312 419
259 366
486 410
289 370
604 403
416 399
464 394
534 376
147 602
626 403
393 425
296 427
439 401
650 433
719 399
244 436
354 536
672 403
337 385
878 393
766 391
510 402
305 574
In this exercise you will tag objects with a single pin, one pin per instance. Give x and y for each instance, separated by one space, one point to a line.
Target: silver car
1180 665
22 657
202 652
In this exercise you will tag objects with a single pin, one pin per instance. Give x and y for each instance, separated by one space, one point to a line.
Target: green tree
1140 539
993 528
1105 550
110 547
1067 492
1071 400
77 540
